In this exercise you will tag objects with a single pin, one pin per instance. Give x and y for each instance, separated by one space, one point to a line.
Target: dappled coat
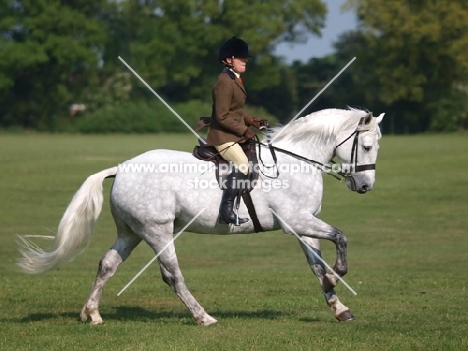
229 120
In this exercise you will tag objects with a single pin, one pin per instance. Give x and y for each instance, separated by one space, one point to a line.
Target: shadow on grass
37 317
128 313
142 314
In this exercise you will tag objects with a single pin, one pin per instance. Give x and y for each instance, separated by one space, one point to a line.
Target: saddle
223 170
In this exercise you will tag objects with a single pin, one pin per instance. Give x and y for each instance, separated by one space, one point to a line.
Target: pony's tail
74 231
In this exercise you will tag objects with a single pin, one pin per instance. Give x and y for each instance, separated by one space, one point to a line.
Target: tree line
410 61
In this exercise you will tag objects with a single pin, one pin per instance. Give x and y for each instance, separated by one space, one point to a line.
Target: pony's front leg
327 280
305 224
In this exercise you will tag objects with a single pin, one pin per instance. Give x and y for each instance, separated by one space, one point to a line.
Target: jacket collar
233 77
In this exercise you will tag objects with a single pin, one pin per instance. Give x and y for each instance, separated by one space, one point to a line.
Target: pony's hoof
95 316
207 320
97 322
84 315
345 316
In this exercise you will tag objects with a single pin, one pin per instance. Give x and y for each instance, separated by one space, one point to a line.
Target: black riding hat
233 47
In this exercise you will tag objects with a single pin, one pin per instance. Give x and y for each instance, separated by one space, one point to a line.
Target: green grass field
407 259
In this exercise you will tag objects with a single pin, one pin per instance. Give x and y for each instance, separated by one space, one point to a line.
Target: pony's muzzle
363 189
351 183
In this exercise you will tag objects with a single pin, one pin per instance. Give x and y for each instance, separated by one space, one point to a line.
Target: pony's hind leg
122 248
327 280
176 282
172 275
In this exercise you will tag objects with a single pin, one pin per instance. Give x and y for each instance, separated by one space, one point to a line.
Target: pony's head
357 149
352 135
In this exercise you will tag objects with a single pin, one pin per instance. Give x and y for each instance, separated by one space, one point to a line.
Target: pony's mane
322 125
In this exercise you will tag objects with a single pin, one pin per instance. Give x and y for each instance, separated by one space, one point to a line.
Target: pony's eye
367 148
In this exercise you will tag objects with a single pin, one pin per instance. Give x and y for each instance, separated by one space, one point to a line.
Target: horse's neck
317 150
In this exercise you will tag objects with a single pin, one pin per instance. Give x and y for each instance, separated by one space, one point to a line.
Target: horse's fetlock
328 283
318 270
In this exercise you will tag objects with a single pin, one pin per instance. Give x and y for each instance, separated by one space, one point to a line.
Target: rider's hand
249 133
258 123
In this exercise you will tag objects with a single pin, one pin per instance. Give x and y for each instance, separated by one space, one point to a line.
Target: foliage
416 51
49 53
411 60
313 76
148 117
178 43
55 53
405 66
452 112
138 117
406 254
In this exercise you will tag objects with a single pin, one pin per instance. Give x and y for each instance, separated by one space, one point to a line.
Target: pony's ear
380 118
368 119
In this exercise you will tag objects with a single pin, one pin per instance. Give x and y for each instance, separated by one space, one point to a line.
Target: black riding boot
226 209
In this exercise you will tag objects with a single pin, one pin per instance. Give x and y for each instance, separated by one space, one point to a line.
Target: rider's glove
249 133
258 123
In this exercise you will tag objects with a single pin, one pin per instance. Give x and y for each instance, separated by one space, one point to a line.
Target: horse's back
150 186
162 155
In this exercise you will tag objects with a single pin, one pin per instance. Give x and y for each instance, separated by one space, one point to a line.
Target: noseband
354 153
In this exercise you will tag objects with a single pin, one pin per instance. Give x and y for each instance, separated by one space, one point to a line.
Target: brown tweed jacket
229 120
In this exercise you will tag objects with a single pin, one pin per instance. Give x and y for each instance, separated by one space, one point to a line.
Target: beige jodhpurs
233 152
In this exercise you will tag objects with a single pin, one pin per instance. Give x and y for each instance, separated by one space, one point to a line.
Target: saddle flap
209 153
205 152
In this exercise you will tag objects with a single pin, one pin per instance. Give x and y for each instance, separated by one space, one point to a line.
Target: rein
341 176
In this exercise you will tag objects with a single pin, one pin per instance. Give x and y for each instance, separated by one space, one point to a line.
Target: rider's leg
233 152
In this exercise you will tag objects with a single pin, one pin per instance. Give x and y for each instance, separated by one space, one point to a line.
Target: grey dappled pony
156 194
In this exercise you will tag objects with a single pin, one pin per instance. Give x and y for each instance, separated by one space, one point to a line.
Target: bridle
341 176
354 152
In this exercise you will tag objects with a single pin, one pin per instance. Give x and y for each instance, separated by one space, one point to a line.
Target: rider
230 123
